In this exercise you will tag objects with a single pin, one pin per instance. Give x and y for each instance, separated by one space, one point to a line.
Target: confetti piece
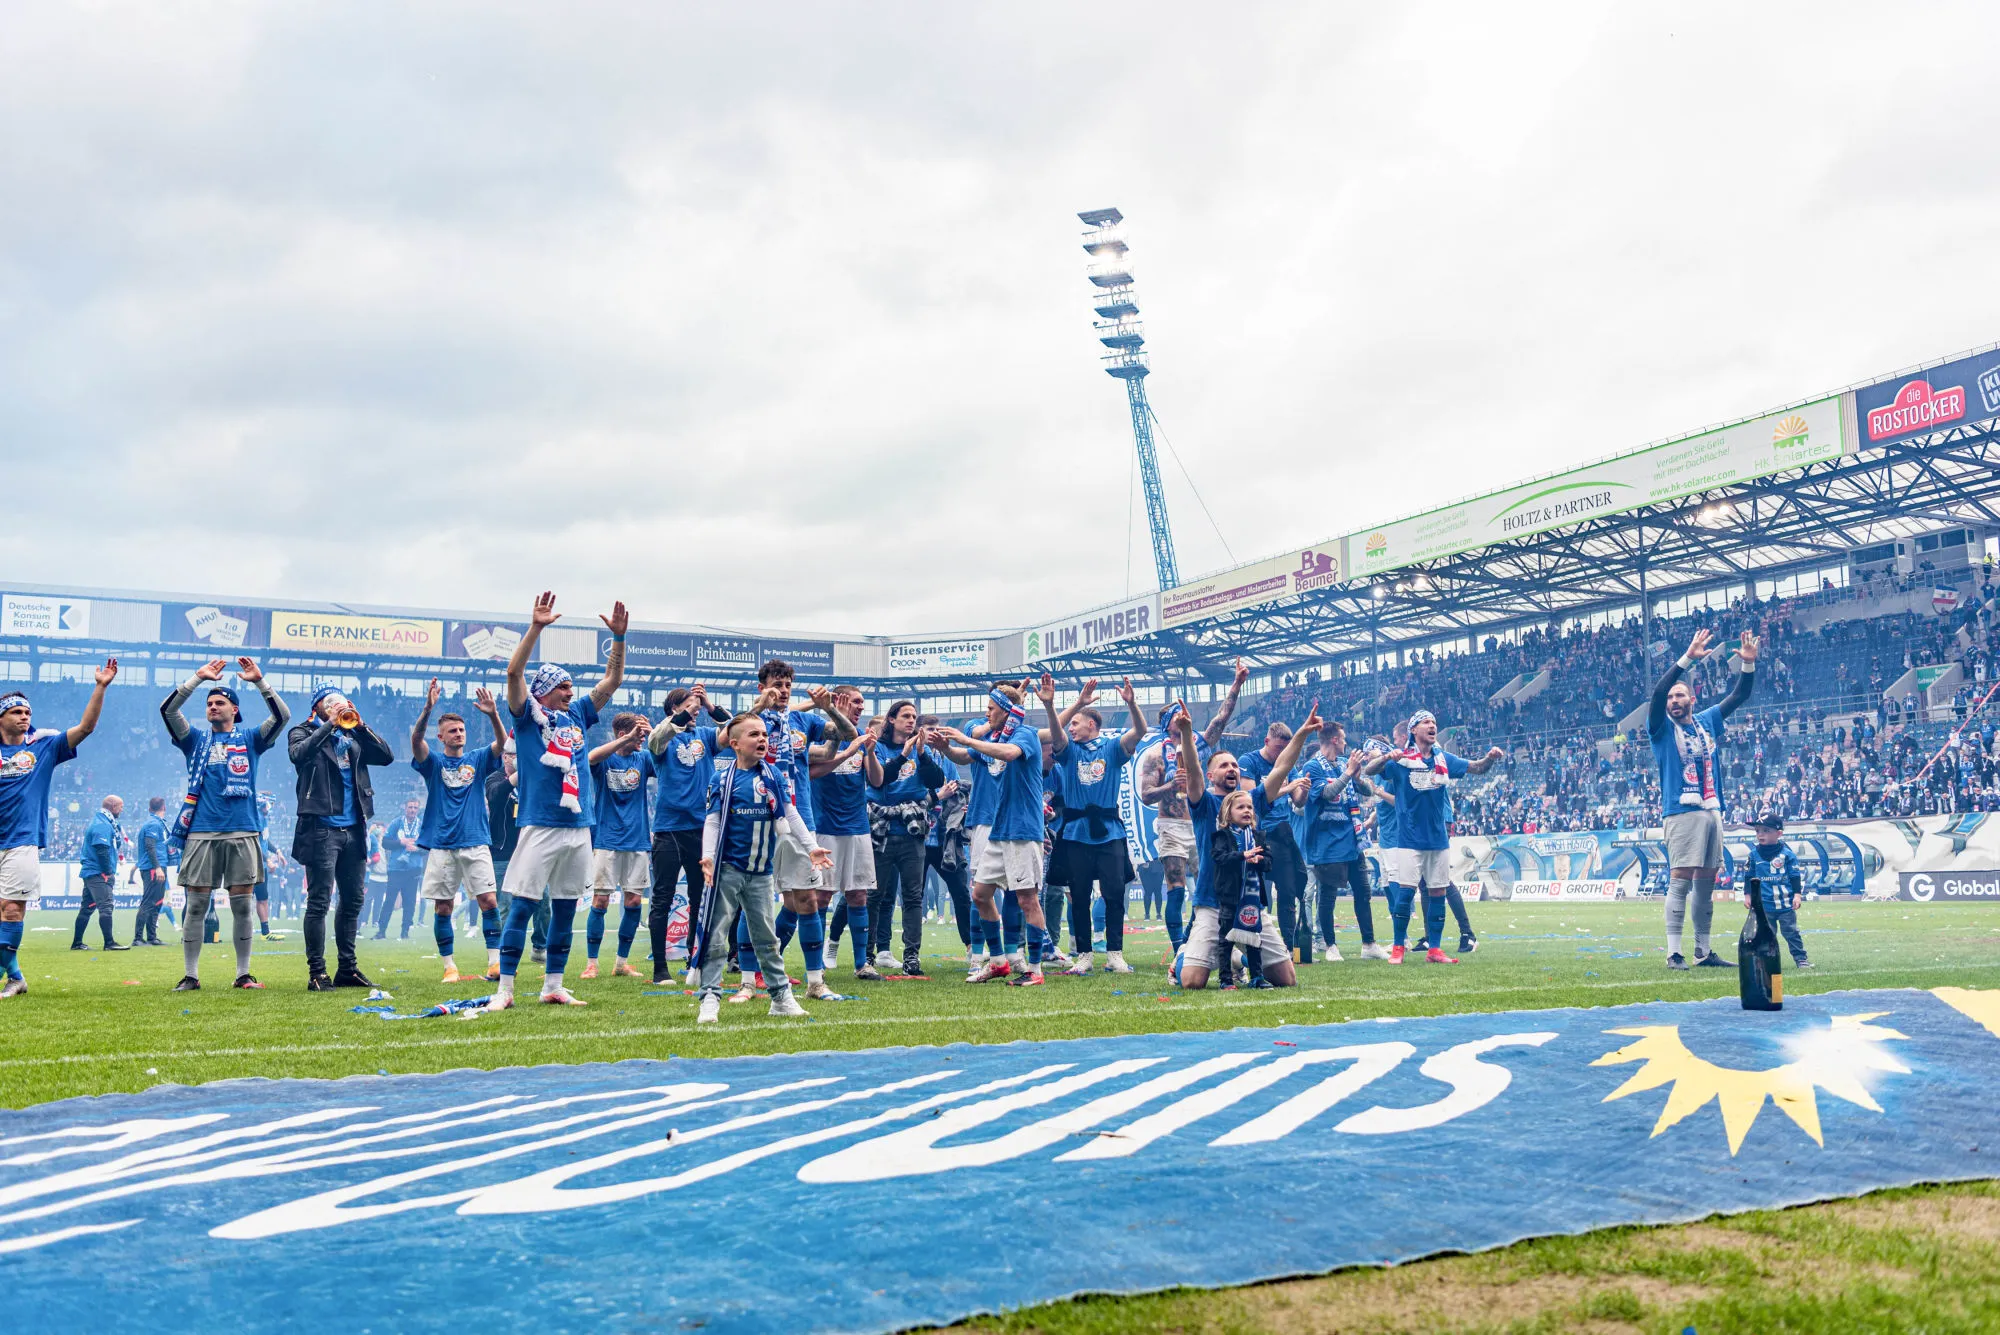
1280 1043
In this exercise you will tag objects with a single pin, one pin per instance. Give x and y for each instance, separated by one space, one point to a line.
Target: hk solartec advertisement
1791 438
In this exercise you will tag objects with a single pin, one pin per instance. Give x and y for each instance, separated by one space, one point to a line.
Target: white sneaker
884 960
711 1009
1081 966
1056 957
786 1006
562 996
1332 955
1372 951
1114 962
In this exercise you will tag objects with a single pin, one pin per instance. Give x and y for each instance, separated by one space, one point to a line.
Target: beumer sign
1948 887
1287 576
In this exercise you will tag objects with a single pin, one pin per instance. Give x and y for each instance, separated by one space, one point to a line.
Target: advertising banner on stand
334 633
937 658
1265 581
1791 438
1916 404
812 660
223 627
1087 630
651 649
493 640
725 653
44 618
1567 892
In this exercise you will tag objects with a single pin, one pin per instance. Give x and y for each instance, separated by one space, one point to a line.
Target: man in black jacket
332 751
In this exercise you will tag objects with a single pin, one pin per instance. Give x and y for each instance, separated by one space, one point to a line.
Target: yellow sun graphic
1832 1059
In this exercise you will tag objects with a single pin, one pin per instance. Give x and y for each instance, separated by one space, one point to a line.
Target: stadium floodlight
1119 329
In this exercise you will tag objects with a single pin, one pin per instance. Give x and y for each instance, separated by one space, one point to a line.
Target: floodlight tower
1119 329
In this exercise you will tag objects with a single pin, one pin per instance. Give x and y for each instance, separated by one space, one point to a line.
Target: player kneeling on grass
1207 950
455 831
749 803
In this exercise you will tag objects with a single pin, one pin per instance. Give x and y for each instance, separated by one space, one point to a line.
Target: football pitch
1923 1258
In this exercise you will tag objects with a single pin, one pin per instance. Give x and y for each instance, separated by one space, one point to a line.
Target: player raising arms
1684 744
28 763
219 820
553 855
455 832
621 839
1090 847
1207 948
1010 856
1160 786
1418 780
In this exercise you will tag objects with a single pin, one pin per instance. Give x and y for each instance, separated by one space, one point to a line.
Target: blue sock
1433 920
593 931
989 933
1010 923
514 936
10 948
812 940
788 924
441 931
628 929
1036 935
1176 910
562 926
489 926
857 933
1399 911
746 958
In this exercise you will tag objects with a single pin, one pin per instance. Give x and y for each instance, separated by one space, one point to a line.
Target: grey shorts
217 861
1694 839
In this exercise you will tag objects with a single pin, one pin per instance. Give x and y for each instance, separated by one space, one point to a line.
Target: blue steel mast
1119 329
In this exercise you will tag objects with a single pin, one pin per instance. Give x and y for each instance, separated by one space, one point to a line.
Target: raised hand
107 674
1312 723
482 700
821 697
1087 694
247 669
618 620
212 671
1355 760
1047 690
1698 647
1242 675
1495 753
1126 694
431 694
1747 650
545 613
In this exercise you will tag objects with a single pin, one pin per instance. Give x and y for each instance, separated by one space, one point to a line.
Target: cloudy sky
775 315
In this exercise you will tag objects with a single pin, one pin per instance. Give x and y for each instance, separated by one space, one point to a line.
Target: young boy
1774 874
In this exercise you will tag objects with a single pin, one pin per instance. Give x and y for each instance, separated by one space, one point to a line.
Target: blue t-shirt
1423 806
1325 826
540 786
1019 814
100 846
906 786
153 844
1692 782
455 798
684 772
1775 869
621 802
983 801
343 759
756 817
1088 774
25 774
401 858
1206 815
790 734
228 759
1270 816
840 798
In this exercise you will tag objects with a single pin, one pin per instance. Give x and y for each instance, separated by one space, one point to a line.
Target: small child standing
1774 874
1237 848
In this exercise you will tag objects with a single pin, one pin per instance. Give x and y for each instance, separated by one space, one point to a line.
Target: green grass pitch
1928 1259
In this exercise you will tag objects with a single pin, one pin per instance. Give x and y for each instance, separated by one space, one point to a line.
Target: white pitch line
1295 1001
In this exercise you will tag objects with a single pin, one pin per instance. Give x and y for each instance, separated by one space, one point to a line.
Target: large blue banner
875 1190
1967 390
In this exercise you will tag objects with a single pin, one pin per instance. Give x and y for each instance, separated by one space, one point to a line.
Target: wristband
616 638
1685 663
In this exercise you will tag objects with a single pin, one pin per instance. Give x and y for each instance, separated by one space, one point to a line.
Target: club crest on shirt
20 763
851 765
239 761
995 766
455 776
798 739
568 735
690 751
1090 772
623 780
759 791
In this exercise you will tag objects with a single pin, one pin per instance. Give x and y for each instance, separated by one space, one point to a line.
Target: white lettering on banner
1474 1084
1566 891
1372 1061
1317 567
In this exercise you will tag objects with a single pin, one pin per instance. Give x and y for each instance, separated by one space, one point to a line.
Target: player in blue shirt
621 769
1684 749
750 799
220 824
103 844
28 761
1206 949
455 834
1009 857
1418 779
684 751
841 777
1087 769
151 862
1327 828
553 854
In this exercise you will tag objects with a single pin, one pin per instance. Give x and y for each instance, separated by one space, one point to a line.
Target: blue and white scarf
1017 714
234 742
1247 928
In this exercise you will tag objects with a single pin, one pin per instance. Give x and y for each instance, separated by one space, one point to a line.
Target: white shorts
1011 864
616 869
1175 836
21 873
1415 867
555 858
1205 935
445 869
853 862
975 845
792 869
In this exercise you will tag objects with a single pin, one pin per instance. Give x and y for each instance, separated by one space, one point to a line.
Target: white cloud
778 317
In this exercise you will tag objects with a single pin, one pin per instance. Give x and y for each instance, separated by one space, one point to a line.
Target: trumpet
346 717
